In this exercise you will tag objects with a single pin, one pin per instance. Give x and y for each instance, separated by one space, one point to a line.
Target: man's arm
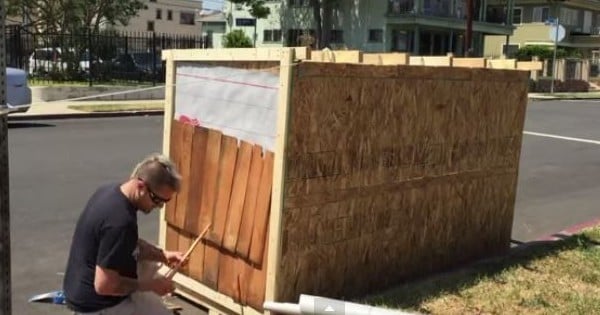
111 283
150 252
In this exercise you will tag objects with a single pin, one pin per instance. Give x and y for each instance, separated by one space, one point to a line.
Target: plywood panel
247 224
431 152
261 220
238 195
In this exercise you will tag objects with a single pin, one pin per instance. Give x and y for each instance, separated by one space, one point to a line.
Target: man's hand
161 286
174 258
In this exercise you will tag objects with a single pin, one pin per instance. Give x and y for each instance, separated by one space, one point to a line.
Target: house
580 19
423 27
213 25
166 16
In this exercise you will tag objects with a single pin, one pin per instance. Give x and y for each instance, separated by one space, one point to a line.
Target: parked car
141 66
18 93
44 60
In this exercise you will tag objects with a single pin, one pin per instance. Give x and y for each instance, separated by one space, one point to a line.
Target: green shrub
236 39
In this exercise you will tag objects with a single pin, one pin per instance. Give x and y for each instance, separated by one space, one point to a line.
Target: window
272 36
541 14
568 16
150 26
158 14
337 36
187 18
170 15
376 35
517 16
299 3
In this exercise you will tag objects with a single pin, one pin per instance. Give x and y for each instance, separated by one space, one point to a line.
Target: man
102 276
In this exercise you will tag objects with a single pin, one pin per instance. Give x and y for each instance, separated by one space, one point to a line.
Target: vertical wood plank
210 268
169 113
197 172
275 218
257 280
238 194
184 243
226 169
172 238
247 223
184 162
261 221
174 153
196 262
228 275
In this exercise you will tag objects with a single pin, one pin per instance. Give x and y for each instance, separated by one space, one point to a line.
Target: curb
86 115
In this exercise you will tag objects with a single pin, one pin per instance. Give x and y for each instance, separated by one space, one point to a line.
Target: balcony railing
401 7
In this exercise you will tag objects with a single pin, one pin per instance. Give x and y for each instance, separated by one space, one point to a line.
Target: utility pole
5 280
469 31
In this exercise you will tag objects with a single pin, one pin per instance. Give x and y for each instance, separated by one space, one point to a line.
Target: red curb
574 229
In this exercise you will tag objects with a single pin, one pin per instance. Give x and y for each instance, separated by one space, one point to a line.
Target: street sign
553 33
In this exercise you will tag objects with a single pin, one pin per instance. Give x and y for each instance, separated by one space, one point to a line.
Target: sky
212 4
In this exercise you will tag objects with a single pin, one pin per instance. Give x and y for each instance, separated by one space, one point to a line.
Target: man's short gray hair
157 170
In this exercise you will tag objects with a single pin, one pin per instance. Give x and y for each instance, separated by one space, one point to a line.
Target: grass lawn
561 277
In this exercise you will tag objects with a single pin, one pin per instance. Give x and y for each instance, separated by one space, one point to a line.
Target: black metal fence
107 57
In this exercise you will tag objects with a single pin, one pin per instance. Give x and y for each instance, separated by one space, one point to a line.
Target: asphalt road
55 165
559 182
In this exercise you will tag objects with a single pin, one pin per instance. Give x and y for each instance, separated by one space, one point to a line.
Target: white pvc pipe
284 308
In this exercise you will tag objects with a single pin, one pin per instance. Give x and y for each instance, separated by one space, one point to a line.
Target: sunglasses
153 196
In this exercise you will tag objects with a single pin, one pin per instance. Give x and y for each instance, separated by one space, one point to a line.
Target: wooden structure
379 173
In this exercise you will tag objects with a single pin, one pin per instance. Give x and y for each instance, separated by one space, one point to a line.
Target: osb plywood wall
226 183
396 171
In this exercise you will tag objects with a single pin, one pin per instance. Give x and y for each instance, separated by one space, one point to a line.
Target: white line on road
561 137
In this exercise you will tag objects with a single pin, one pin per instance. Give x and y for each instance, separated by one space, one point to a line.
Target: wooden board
369 206
196 181
174 153
247 223
184 162
261 221
227 163
238 195
209 193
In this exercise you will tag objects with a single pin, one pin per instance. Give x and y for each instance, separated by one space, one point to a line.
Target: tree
322 15
236 39
257 9
74 15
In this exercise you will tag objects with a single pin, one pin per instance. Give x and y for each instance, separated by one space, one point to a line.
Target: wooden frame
217 302
311 171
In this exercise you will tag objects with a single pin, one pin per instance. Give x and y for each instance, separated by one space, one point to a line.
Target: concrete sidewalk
61 109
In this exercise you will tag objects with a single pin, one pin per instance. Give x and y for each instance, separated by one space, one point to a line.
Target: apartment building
167 16
424 27
580 18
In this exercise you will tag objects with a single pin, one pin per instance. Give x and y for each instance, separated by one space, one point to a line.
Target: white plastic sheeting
239 103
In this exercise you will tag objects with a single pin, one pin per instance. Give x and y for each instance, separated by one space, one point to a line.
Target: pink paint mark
189 120
226 81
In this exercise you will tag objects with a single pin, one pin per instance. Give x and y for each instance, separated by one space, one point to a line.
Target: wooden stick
173 270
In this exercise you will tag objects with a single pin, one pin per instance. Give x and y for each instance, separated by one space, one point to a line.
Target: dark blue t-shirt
106 235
